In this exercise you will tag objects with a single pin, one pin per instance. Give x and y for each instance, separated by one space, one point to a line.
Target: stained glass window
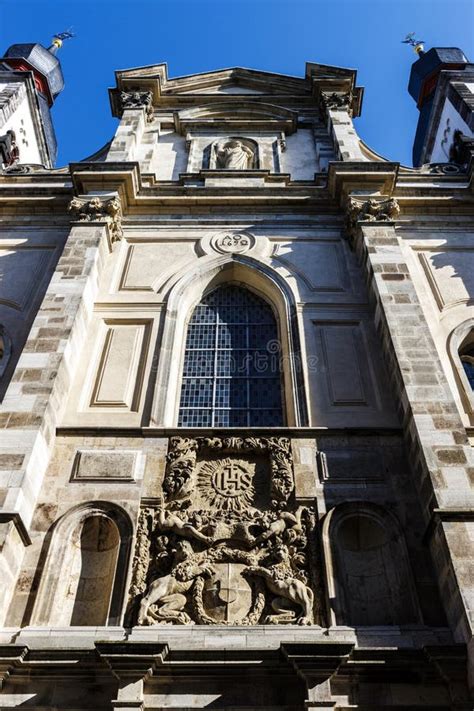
467 360
232 363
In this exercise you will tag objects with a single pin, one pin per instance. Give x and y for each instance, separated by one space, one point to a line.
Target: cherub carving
285 521
168 591
170 521
290 591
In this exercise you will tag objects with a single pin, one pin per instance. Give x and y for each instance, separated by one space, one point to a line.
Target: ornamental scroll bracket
96 209
229 544
370 211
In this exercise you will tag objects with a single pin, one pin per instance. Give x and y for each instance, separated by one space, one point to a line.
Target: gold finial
58 39
418 45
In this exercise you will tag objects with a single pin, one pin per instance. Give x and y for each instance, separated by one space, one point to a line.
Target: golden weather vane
58 39
418 45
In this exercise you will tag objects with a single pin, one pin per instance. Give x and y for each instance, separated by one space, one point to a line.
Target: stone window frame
59 541
335 602
458 338
187 291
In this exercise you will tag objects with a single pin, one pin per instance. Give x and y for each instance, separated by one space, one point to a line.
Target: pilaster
338 110
137 110
35 399
441 458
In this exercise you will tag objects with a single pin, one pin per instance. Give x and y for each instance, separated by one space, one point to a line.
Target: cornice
419 194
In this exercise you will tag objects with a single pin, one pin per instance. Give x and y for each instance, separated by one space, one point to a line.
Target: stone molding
108 210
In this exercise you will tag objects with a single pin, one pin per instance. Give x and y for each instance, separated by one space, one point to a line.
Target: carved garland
253 616
183 453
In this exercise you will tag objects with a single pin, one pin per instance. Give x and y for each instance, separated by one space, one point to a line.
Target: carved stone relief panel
229 543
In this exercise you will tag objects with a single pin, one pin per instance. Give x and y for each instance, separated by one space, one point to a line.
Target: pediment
234 82
228 115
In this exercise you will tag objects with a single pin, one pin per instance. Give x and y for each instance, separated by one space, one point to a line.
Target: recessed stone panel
109 464
118 380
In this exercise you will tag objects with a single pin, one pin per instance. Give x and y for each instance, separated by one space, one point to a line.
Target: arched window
461 349
467 359
231 374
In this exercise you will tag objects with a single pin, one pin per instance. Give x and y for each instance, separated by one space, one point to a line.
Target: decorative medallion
232 242
227 484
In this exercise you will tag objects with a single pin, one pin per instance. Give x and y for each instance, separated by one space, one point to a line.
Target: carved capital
337 101
138 100
369 211
96 209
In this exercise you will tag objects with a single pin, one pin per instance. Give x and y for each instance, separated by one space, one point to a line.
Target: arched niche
461 346
232 152
369 580
187 291
86 568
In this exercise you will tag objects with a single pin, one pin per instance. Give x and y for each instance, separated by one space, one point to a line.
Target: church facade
237 381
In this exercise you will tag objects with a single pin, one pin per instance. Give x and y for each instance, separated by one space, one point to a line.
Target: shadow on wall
83 569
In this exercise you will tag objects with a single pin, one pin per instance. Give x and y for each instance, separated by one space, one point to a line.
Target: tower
31 79
442 83
236 462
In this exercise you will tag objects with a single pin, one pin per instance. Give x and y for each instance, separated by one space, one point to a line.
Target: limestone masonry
237 396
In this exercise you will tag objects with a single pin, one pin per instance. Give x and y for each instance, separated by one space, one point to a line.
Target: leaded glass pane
468 366
231 374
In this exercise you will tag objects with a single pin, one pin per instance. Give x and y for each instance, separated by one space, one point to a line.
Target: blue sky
273 35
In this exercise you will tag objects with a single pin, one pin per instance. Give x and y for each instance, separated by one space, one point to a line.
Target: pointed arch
188 288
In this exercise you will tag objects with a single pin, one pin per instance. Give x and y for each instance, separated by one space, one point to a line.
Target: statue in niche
233 155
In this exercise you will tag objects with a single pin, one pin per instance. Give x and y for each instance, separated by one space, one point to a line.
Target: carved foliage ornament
138 100
337 101
96 209
179 481
219 550
369 211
